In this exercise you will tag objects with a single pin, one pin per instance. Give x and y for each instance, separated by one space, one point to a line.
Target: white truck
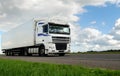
40 37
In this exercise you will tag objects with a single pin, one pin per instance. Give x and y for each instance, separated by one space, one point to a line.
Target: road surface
107 61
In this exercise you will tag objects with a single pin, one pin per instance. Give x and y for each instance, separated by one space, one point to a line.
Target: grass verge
23 68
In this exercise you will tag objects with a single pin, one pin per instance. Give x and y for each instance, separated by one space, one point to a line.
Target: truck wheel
61 54
41 51
22 52
10 53
25 53
6 53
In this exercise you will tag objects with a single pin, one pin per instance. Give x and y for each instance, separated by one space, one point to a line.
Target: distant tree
91 51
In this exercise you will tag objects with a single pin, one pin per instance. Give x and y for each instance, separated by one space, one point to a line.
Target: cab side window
45 28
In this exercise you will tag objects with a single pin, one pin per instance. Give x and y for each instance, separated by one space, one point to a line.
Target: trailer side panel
21 36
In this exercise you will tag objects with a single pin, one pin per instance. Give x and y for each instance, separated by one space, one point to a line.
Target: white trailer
40 37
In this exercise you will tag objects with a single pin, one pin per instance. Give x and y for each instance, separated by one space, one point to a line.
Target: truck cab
54 36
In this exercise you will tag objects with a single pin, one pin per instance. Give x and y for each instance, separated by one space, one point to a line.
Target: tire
6 53
41 51
22 52
11 53
62 54
26 53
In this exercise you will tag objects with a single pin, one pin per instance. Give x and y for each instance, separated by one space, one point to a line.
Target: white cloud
93 22
117 24
91 2
82 39
20 11
6 26
117 2
2 15
92 39
116 30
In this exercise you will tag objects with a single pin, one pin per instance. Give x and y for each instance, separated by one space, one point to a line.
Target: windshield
59 29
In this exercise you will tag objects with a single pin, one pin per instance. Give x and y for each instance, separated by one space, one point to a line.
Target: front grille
61 39
61 46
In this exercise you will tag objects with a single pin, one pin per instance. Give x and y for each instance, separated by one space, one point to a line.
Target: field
23 68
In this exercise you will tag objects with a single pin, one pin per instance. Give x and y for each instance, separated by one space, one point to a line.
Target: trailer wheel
11 53
6 53
25 53
21 52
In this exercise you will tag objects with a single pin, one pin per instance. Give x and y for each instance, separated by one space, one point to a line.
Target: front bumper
58 51
55 47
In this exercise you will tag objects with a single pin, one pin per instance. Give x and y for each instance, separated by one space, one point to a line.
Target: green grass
23 68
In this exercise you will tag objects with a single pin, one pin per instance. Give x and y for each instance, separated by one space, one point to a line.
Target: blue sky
104 16
95 24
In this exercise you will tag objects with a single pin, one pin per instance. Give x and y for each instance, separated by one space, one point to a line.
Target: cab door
41 32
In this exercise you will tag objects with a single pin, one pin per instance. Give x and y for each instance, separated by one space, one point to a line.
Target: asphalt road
107 61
